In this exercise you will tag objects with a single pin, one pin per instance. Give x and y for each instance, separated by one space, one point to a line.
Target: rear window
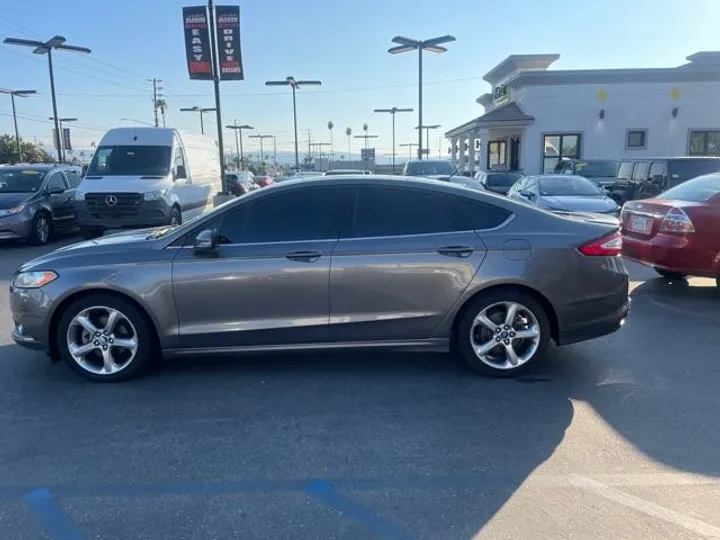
597 169
700 189
422 168
503 179
685 169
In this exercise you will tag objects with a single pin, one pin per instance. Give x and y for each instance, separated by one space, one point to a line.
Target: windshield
503 179
424 168
563 186
685 169
130 161
20 180
597 168
700 189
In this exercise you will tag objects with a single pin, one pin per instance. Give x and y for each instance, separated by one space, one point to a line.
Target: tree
31 153
162 105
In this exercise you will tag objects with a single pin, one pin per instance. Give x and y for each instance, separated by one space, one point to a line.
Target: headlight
33 280
79 196
154 195
12 211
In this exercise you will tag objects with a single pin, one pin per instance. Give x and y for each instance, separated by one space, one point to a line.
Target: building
536 116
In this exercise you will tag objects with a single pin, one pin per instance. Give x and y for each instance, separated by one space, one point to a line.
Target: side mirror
205 240
180 172
56 190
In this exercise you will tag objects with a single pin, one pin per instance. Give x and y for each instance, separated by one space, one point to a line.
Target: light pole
238 141
348 133
330 126
393 111
409 146
427 135
200 110
18 93
292 83
59 141
366 137
262 150
432 45
57 42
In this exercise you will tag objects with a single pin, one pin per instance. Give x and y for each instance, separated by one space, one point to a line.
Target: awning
509 115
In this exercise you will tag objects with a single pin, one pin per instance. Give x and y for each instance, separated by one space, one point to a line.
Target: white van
146 177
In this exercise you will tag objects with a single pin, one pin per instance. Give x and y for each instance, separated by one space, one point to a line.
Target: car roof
38 166
677 158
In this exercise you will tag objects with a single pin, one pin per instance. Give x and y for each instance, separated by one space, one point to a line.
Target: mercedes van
146 177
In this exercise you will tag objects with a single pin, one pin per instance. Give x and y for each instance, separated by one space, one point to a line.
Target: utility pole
156 97
310 144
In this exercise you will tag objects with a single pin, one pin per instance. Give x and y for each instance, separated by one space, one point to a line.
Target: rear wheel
667 274
41 229
503 333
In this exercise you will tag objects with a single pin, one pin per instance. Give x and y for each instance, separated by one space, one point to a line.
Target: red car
677 232
264 181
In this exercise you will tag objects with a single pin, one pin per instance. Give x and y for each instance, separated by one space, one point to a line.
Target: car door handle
456 251
303 256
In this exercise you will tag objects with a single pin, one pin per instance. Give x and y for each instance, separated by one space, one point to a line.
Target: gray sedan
563 193
349 262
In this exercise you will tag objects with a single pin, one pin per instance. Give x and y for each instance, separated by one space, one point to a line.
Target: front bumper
30 309
15 227
149 214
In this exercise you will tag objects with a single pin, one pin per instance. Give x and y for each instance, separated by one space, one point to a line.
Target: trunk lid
642 219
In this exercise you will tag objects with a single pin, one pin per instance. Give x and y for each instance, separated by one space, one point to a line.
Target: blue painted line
57 525
358 513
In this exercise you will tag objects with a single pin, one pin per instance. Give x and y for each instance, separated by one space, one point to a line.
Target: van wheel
175 217
90 234
104 338
503 333
41 229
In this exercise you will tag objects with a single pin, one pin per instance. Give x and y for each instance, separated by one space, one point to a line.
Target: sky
344 44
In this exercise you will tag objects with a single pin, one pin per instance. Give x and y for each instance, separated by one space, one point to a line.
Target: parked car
602 172
498 182
144 177
378 261
240 182
643 178
264 181
438 169
335 172
677 232
36 201
563 193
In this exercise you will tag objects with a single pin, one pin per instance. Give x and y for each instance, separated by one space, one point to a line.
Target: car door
60 202
73 180
266 281
406 257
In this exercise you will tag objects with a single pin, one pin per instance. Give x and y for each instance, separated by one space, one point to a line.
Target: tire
130 326
175 217
668 274
496 362
42 230
90 234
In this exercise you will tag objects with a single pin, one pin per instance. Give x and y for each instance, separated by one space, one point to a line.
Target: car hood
121 184
574 203
9 200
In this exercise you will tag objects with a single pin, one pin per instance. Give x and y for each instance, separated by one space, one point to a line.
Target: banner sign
227 30
197 43
66 139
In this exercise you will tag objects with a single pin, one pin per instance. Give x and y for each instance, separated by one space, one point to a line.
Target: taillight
609 245
677 221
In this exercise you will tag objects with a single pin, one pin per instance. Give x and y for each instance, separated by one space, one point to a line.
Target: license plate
640 224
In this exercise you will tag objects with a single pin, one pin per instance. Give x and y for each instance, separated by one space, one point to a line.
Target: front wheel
41 229
503 333
104 338
175 217
667 274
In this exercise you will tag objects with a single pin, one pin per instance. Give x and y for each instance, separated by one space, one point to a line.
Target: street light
432 45
18 93
427 135
262 150
59 141
292 83
57 42
200 110
409 146
393 111
238 140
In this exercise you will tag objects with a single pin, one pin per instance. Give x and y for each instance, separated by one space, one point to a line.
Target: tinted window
73 179
381 211
699 189
530 185
658 168
303 214
20 180
56 181
596 169
479 215
557 186
179 161
641 170
503 179
130 161
684 169
422 168
625 170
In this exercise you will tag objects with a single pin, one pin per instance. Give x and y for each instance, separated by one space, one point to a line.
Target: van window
641 171
179 161
625 170
658 168
685 169
130 161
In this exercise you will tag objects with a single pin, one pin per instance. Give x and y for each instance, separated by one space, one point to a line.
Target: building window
636 139
704 143
559 147
497 151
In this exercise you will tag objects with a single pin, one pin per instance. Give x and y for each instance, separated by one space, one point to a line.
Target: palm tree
162 105
330 128
348 132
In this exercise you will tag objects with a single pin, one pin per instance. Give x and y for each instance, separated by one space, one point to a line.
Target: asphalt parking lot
614 438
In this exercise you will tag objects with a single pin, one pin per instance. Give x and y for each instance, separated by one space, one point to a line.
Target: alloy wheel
102 340
42 229
505 335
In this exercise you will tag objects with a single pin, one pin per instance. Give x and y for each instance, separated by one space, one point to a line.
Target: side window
625 170
179 163
479 215
641 171
530 186
73 179
658 168
56 180
302 214
387 211
517 187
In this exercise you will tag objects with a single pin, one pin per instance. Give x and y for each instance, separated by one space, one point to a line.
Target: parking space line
358 513
646 507
56 523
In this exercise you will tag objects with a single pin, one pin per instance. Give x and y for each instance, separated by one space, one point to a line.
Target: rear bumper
150 214
597 327
674 253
